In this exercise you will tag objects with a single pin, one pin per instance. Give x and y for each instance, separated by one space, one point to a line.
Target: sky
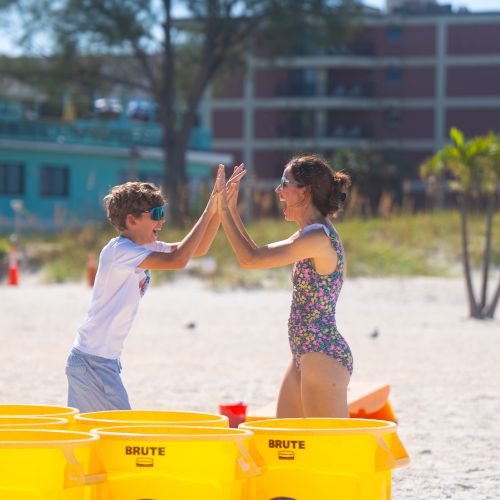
8 47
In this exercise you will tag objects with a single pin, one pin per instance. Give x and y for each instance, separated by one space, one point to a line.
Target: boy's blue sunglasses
156 213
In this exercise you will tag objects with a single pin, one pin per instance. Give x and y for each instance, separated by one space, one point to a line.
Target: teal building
55 174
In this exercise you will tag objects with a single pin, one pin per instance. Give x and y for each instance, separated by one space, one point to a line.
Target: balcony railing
294 89
356 48
352 90
355 131
92 133
333 90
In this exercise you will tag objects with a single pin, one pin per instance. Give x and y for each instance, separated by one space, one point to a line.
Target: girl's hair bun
328 188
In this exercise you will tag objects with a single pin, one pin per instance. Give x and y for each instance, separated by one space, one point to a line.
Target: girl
315 383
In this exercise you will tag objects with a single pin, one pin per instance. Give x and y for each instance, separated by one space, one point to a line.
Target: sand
192 348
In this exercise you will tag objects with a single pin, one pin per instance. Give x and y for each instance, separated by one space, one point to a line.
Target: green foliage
62 256
63 72
4 247
471 166
408 245
373 174
457 137
171 57
307 27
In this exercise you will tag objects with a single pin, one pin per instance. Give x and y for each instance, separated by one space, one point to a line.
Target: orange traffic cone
13 276
91 268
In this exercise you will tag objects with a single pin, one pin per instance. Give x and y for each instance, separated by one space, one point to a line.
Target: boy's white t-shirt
118 288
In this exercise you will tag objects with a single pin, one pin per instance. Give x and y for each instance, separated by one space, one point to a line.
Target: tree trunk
175 180
174 149
490 311
473 308
487 252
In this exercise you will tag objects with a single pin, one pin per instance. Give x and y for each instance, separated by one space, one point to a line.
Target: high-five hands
212 206
233 186
227 192
220 190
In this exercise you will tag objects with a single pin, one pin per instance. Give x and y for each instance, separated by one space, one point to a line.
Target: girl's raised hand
233 185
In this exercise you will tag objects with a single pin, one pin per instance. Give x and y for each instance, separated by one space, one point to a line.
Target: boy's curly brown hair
131 198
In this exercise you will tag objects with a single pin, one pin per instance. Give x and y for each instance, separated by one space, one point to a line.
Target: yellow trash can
51 423
45 464
40 411
325 458
178 463
87 421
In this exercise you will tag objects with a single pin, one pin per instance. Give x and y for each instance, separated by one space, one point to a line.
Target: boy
136 209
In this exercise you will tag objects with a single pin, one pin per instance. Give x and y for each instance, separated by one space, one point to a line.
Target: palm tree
493 158
474 168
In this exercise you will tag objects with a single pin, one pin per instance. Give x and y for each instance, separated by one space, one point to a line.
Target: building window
394 34
392 116
54 180
299 123
393 74
11 178
302 82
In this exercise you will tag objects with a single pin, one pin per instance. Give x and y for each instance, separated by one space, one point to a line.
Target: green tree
493 163
53 76
373 174
473 167
174 49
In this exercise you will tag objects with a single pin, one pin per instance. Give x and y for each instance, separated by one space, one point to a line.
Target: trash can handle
245 461
74 474
390 458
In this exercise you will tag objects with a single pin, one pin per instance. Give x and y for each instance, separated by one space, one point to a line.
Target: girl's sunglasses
156 213
284 183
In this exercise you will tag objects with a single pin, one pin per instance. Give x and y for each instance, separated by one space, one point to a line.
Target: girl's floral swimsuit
311 325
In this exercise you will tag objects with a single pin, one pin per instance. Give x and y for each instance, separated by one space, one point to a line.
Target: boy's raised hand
220 190
213 201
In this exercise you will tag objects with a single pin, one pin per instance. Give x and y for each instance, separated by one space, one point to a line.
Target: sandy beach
192 348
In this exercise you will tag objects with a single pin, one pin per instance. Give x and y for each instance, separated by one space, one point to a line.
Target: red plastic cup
235 413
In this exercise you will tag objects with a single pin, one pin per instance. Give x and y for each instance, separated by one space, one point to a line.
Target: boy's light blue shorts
94 383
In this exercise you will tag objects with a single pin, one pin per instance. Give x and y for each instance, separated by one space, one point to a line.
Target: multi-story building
55 173
398 86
